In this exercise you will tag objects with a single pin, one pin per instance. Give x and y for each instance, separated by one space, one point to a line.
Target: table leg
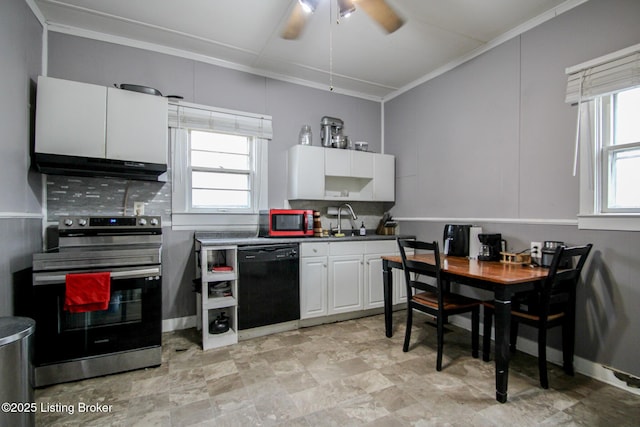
503 327
387 280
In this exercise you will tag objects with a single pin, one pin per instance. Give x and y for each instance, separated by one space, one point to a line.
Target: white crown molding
520 29
124 41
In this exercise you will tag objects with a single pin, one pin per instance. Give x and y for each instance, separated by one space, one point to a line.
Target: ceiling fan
378 10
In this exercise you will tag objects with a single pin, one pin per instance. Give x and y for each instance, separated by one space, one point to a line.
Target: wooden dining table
504 280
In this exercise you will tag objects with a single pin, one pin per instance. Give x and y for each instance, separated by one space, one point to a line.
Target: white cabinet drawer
346 248
381 247
314 249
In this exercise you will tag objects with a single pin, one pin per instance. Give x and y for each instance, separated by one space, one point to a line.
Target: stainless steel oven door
132 320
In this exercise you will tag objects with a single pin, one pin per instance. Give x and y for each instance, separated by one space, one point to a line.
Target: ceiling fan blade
295 24
382 13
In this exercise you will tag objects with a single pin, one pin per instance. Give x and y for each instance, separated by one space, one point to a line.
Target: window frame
253 172
594 171
183 117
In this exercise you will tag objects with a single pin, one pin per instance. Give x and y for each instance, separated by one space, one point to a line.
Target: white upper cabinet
71 118
318 173
85 120
384 180
136 127
306 173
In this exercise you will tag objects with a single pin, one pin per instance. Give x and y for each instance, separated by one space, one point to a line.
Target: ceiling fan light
346 8
309 6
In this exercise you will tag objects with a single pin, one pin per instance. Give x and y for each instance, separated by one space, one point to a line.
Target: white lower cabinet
374 287
345 283
313 287
342 277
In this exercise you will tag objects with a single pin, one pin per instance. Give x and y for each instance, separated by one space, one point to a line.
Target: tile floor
341 374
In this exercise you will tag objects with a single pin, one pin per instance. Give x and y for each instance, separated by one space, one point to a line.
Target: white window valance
192 116
605 75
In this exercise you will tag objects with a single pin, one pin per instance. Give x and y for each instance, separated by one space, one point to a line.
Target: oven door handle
41 279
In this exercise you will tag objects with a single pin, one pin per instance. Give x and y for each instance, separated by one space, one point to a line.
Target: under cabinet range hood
54 164
89 130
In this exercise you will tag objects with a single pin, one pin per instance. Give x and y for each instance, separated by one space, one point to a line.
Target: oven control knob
154 221
82 222
68 222
142 221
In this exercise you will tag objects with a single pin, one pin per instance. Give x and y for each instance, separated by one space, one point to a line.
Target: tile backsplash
71 195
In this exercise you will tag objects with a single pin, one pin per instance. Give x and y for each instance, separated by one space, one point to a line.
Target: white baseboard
179 323
580 365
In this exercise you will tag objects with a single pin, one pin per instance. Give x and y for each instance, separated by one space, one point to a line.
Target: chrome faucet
353 215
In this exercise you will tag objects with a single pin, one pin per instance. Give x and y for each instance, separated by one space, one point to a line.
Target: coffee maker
490 247
456 239
330 127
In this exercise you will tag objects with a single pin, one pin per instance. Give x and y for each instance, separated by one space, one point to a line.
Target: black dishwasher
268 285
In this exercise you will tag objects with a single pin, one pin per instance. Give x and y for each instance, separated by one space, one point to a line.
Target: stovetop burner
86 242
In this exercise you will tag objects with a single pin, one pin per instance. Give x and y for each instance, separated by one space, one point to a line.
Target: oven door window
133 320
125 307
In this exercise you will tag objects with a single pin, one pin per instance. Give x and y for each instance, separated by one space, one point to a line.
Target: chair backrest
561 283
420 268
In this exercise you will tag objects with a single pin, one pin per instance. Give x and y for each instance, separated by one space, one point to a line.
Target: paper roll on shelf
474 242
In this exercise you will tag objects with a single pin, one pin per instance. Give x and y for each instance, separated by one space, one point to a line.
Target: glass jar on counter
305 137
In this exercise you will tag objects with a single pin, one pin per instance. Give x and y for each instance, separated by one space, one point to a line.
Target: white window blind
219 120
605 75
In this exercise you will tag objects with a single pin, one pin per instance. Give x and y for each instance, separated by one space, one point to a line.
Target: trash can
16 371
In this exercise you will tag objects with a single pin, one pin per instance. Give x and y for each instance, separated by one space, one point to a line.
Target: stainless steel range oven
124 336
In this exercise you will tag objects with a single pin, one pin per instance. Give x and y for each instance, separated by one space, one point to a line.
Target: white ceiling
363 60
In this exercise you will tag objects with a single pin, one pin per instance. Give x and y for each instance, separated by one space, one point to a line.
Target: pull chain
330 47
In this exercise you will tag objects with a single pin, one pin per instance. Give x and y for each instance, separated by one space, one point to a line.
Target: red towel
87 292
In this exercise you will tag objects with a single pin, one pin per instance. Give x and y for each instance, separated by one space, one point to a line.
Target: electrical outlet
138 208
536 249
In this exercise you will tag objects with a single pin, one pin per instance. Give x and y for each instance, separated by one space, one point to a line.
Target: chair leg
475 331
486 339
568 343
440 332
513 338
542 357
407 333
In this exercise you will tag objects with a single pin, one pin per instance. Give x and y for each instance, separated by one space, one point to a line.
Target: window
218 167
221 170
619 142
607 92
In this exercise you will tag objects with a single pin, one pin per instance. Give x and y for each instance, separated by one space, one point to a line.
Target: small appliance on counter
286 223
548 251
456 239
490 247
331 132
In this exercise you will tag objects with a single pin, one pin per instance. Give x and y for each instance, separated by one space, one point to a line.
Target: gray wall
290 105
20 200
493 138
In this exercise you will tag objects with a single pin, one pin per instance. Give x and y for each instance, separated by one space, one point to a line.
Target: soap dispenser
363 231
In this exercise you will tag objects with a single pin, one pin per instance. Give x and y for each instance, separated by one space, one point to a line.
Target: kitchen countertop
212 239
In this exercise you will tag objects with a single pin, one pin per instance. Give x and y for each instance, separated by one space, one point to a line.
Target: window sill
614 222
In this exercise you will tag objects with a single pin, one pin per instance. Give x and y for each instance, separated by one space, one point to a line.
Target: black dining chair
551 305
434 299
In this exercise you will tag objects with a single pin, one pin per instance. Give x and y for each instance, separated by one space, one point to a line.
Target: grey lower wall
20 199
493 138
290 105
